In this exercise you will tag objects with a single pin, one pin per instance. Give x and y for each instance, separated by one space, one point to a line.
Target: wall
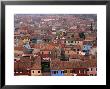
35 73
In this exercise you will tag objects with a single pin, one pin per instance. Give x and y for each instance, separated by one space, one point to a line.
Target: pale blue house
27 48
86 48
57 72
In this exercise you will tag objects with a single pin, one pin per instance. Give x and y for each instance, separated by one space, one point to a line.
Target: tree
63 56
91 27
82 35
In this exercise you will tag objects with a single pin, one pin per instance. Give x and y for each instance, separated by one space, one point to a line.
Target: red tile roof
61 65
20 48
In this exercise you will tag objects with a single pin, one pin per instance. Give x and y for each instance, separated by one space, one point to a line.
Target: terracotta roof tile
37 63
60 65
20 48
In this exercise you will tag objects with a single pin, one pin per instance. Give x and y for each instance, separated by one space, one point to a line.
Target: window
32 71
38 71
15 60
28 71
49 52
54 72
71 41
91 74
57 72
65 71
91 69
74 49
62 72
87 69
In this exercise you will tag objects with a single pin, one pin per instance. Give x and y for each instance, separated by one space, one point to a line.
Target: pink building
92 71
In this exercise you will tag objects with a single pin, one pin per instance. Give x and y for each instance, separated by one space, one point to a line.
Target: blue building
86 48
57 72
27 45
27 48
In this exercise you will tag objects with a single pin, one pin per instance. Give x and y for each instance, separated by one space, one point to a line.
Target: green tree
63 56
91 27
82 35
